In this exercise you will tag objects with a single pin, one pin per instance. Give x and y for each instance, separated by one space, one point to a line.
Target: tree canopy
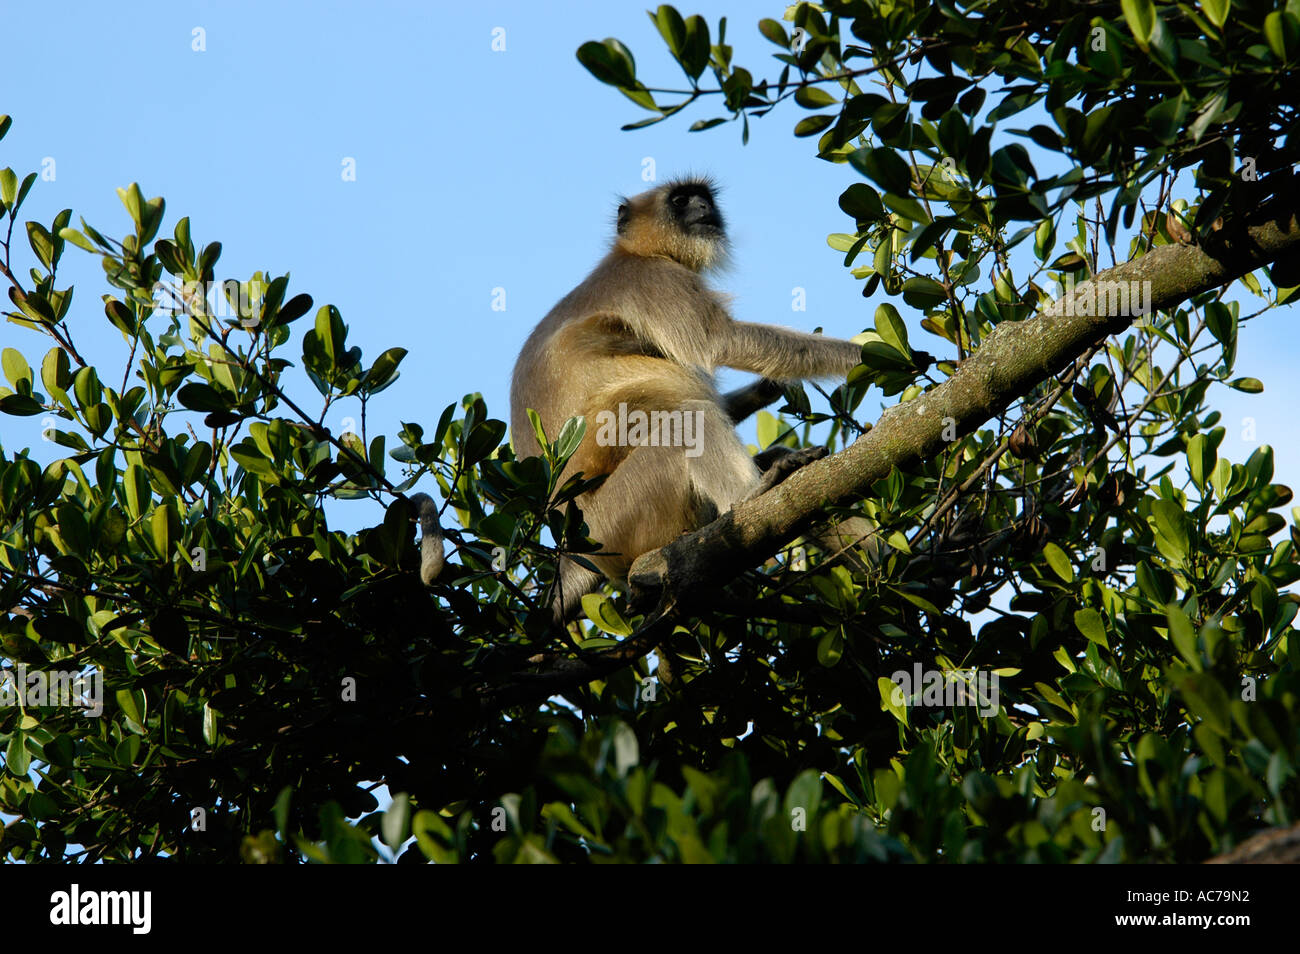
1075 644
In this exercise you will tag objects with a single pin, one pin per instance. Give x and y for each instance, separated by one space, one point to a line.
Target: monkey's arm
742 402
786 355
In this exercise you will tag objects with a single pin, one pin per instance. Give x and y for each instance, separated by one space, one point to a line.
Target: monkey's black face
691 206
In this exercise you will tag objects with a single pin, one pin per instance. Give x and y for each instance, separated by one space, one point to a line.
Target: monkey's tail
432 551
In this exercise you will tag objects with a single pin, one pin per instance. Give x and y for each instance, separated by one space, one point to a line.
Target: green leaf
931 234
696 49
917 600
1059 562
771 29
814 97
1280 31
1216 11
293 309
1182 635
17 759
888 689
571 434
1221 475
805 792
396 824
538 431
1091 623
384 371
1170 524
135 481
830 647
1044 239
202 397
603 614
610 62
1249 385
134 201
164 528
280 813
768 428
77 239
1211 110
863 203
61 751
8 187
923 292
1221 323
812 125
132 704
20 405
56 372
1201 458
885 167
330 334
483 440
209 724
1165 119
892 330
1141 18
424 827
1206 700
42 244
16 370
563 815
883 358
671 27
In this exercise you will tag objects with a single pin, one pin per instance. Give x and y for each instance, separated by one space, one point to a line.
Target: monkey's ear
624 212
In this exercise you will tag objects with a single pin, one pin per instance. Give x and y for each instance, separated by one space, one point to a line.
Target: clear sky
475 170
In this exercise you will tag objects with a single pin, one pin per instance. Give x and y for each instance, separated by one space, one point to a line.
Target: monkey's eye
679 200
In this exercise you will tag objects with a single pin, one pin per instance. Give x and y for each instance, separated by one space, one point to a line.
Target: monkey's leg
647 502
719 469
847 536
779 462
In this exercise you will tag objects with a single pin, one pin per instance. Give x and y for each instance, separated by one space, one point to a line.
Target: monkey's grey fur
432 554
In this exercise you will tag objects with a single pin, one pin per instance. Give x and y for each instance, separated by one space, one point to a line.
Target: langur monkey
645 333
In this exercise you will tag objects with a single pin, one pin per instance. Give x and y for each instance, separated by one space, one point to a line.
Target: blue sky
475 169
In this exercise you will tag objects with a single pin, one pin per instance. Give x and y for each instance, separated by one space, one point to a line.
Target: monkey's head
677 220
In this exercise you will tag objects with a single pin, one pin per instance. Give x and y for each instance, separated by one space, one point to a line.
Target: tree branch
1013 359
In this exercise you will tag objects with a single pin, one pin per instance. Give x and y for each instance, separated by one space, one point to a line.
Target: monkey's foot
781 465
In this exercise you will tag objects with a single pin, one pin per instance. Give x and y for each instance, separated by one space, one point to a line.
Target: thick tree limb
1011 361
1277 846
